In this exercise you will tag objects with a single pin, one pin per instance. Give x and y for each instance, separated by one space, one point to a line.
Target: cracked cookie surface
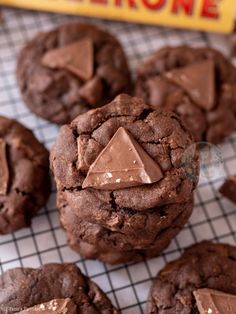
127 229
161 134
204 265
96 242
24 171
59 95
22 288
154 86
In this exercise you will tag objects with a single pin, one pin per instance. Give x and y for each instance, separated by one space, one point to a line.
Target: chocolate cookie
122 180
23 288
96 242
162 135
127 229
204 265
197 83
24 173
69 70
112 257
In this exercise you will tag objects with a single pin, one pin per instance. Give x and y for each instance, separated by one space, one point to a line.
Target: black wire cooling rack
214 217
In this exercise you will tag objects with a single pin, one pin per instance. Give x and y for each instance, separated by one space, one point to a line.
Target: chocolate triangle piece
123 163
56 306
4 171
77 58
198 81
215 302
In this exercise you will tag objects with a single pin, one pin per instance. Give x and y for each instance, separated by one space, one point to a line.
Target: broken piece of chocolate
228 189
4 172
198 81
78 58
92 91
57 306
123 163
215 302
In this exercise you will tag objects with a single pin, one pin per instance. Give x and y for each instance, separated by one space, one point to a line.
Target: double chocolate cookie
131 229
124 189
201 281
53 288
69 70
24 176
140 235
197 83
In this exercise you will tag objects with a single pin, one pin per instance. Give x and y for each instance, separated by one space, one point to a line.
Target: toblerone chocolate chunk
198 81
215 302
123 163
56 306
4 172
78 58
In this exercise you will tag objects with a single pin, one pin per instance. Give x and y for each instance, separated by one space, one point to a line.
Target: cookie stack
123 189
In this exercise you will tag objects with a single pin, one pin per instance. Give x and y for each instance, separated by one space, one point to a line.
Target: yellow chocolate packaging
207 15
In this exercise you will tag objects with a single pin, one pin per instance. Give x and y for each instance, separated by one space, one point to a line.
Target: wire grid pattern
214 217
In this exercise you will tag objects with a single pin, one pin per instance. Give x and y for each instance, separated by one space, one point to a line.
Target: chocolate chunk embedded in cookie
69 70
197 83
23 288
214 302
123 163
204 265
24 173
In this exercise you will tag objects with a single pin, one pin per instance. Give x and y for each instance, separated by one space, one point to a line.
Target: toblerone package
207 15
